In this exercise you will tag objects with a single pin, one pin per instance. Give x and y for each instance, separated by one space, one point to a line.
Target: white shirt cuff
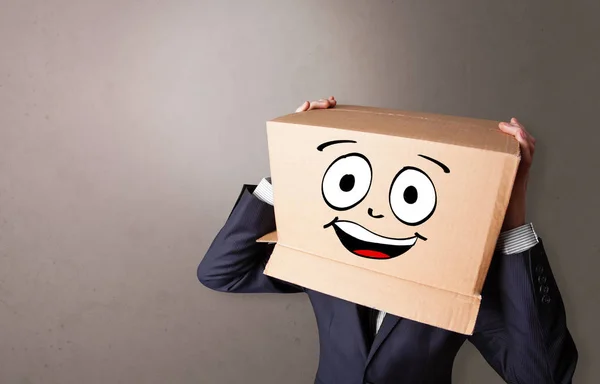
264 191
517 240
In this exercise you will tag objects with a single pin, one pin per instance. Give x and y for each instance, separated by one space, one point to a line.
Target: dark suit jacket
521 329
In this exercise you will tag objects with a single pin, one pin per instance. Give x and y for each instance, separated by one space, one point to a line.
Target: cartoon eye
347 181
412 196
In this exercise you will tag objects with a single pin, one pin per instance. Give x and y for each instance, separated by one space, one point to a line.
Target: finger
332 101
532 147
528 135
303 107
325 102
517 123
319 104
509 128
526 155
513 129
518 132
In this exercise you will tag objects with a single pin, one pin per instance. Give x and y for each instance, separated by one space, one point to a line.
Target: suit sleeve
521 329
235 262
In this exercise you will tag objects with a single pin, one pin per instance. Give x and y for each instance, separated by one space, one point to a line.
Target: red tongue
372 254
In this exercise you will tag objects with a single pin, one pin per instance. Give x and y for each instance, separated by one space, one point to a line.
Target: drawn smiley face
412 199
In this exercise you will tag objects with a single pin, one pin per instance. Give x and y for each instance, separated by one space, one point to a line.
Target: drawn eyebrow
321 147
442 165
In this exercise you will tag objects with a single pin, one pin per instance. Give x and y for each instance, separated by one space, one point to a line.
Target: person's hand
515 214
318 104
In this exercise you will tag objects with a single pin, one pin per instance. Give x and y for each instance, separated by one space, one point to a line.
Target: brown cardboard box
399 211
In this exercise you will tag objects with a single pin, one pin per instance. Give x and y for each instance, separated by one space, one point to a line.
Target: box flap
270 237
407 299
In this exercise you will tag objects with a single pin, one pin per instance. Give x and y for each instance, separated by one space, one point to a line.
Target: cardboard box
399 211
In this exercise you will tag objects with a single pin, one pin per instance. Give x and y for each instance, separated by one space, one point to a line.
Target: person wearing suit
521 329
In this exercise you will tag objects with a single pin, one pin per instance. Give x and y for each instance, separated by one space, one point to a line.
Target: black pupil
410 194
347 183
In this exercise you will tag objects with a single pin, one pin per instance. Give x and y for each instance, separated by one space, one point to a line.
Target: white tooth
364 234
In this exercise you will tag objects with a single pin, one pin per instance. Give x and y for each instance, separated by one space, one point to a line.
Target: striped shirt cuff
264 191
517 240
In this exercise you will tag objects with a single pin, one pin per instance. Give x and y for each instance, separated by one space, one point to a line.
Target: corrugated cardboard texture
471 166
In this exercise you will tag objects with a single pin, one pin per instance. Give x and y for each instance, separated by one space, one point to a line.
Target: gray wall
128 127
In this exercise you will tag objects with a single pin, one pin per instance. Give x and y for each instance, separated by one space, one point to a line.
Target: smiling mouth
362 242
